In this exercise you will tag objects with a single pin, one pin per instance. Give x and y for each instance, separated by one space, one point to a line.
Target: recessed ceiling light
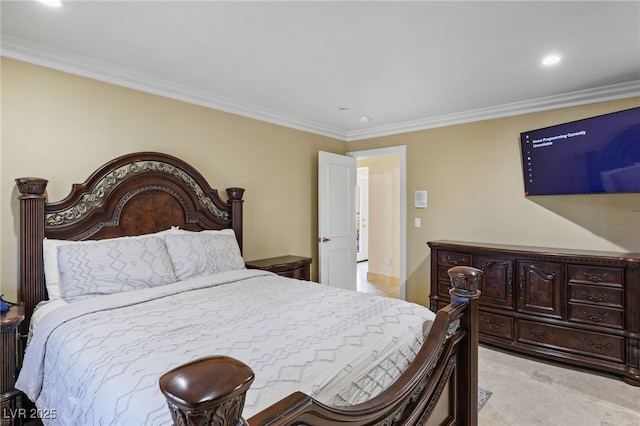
365 118
52 3
550 60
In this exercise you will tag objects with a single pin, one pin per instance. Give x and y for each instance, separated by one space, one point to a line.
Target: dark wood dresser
574 306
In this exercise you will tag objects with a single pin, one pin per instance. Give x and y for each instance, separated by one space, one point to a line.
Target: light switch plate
420 199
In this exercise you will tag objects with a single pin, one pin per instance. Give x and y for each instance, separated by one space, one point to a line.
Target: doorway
386 224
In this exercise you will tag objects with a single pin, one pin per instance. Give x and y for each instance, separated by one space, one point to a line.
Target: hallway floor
365 286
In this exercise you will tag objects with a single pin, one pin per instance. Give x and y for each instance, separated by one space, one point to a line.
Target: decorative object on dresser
9 321
574 306
144 203
287 266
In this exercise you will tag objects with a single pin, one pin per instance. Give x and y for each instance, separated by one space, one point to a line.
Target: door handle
324 239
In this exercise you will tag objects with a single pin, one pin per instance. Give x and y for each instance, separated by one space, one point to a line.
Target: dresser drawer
585 343
444 287
595 274
496 325
597 315
298 273
600 295
451 259
442 304
442 274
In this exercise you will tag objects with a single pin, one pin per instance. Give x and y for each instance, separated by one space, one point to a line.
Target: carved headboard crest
96 197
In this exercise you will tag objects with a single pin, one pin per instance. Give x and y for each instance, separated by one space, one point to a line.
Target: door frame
363 210
400 150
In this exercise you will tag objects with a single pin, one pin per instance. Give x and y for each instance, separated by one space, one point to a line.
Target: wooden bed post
207 391
32 288
235 198
465 281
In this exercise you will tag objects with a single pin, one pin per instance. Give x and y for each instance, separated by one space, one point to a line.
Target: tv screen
595 155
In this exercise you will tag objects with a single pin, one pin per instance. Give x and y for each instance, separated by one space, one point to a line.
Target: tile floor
374 288
527 392
523 391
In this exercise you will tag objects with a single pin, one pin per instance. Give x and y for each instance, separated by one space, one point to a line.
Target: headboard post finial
235 194
31 279
235 199
31 186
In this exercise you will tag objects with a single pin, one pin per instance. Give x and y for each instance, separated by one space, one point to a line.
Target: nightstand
9 396
288 266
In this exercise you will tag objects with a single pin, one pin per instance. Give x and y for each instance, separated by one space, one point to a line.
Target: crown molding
15 48
582 97
33 53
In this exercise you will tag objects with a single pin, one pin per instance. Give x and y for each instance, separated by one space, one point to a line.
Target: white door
336 220
362 215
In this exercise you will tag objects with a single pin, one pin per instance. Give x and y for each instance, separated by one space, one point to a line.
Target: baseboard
382 279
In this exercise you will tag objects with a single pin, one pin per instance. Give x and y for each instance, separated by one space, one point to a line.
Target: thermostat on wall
420 199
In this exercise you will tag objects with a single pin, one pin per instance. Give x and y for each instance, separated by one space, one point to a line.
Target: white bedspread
98 361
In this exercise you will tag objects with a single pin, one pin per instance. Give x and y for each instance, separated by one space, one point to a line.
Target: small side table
9 396
287 266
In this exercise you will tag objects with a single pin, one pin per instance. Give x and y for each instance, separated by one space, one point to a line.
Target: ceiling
319 66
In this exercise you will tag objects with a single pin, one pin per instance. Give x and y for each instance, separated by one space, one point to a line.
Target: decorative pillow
112 266
50 257
198 254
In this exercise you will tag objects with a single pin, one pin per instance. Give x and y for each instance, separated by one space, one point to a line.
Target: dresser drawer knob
495 324
596 318
593 298
595 278
453 261
487 265
537 334
598 345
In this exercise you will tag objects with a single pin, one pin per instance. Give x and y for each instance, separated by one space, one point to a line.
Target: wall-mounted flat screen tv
591 156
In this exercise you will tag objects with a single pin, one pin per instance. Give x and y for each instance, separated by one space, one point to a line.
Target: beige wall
475 193
62 127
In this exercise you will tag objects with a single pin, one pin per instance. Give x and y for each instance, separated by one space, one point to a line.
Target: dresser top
543 251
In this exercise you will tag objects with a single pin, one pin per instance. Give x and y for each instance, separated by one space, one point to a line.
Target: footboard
439 387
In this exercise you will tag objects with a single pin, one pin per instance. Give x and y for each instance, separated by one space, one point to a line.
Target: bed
190 336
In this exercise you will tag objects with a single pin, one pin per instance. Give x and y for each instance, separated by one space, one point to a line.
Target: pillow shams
197 254
113 266
50 257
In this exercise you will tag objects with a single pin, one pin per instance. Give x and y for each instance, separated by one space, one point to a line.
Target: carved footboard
439 387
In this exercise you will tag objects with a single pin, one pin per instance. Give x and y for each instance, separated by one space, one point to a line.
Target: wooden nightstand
288 266
9 396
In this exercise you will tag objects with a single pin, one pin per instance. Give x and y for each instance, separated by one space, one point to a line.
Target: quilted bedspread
98 361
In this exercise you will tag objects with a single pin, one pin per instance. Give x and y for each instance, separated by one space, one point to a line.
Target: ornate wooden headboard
133 194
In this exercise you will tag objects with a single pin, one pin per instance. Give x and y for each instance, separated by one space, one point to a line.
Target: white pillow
50 257
113 266
51 274
197 254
